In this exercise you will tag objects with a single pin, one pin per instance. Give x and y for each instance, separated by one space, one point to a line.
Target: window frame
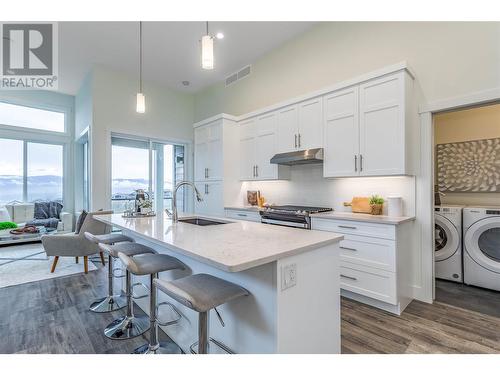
26 135
44 107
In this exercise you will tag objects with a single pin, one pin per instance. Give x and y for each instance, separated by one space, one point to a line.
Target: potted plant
376 204
145 205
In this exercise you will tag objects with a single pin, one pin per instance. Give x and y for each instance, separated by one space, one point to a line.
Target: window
86 174
44 172
154 167
30 171
33 118
11 170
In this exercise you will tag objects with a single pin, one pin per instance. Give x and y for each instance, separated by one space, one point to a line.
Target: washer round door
482 243
446 238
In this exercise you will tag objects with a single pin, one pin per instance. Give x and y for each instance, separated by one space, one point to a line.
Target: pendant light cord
140 56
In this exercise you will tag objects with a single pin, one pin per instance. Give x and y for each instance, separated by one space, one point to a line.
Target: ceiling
171 49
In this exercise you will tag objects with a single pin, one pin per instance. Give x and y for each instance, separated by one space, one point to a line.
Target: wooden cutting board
359 205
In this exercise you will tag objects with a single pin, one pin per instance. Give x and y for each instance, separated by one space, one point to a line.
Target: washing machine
482 246
448 242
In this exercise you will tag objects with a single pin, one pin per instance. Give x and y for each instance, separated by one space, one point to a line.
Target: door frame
425 181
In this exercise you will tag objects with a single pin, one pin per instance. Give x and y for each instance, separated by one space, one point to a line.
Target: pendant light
207 51
141 99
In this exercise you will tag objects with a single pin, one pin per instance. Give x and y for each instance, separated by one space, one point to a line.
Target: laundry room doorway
461 169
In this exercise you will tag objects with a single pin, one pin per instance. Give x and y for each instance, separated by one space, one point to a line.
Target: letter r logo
27 49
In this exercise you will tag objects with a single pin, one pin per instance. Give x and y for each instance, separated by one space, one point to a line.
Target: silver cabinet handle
295 140
253 171
347 227
256 171
348 277
299 140
361 163
243 215
207 172
355 163
348 248
206 188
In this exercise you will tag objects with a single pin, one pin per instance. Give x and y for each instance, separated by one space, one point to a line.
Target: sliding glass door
152 166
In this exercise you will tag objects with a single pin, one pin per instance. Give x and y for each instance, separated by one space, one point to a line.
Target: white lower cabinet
375 262
213 198
243 215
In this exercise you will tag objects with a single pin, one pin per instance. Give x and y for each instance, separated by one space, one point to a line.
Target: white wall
449 59
169 116
307 186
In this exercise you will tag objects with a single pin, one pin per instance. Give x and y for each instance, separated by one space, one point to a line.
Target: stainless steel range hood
311 156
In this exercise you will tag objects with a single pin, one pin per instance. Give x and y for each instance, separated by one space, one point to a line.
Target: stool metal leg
110 302
128 326
155 346
203 333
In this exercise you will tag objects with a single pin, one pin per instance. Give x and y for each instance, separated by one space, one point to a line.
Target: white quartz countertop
233 247
351 216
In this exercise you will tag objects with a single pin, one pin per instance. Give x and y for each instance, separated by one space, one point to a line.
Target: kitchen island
291 274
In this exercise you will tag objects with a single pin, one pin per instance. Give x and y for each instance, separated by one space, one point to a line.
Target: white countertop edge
237 268
243 208
351 216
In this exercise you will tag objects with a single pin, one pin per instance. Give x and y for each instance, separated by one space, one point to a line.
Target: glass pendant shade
141 103
207 52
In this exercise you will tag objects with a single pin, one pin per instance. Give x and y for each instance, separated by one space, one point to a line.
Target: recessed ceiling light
219 35
185 83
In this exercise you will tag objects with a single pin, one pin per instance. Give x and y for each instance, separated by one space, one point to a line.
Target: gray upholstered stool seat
148 264
127 248
110 302
152 264
202 292
109 238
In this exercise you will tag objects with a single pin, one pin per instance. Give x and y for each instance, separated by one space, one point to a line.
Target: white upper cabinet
370 129
310 124
258 144
341 133
208 156
288 127
382 126
300 126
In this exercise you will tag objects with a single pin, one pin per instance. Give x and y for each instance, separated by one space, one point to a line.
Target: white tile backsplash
308 187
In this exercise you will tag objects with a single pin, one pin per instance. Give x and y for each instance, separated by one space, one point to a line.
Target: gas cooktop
298 209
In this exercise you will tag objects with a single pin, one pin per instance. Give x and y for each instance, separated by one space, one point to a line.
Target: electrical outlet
288 276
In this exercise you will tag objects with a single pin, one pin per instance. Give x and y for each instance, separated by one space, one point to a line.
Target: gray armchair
75 244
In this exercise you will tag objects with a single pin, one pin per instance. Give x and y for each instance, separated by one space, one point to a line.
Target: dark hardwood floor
52 316
462 319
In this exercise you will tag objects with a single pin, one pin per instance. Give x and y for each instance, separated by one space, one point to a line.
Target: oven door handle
284 223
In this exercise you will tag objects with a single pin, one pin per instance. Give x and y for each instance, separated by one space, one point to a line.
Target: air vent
238 75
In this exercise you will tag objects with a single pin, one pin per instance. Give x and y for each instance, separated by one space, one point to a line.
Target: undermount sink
201 221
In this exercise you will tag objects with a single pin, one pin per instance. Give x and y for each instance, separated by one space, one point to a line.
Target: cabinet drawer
355 227
369 251
243 215
377 284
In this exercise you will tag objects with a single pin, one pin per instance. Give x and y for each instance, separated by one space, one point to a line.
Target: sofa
22 213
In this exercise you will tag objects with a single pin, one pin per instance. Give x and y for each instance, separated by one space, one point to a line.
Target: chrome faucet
174 215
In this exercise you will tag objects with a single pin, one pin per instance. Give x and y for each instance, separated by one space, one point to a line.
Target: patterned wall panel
472 166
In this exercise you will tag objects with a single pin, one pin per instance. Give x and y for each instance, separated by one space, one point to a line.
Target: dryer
448 242
482 247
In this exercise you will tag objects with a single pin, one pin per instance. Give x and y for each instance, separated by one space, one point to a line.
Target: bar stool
129 325
201 293
111 302
152 264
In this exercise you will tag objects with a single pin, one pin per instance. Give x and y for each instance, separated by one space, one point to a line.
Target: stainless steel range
290 216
